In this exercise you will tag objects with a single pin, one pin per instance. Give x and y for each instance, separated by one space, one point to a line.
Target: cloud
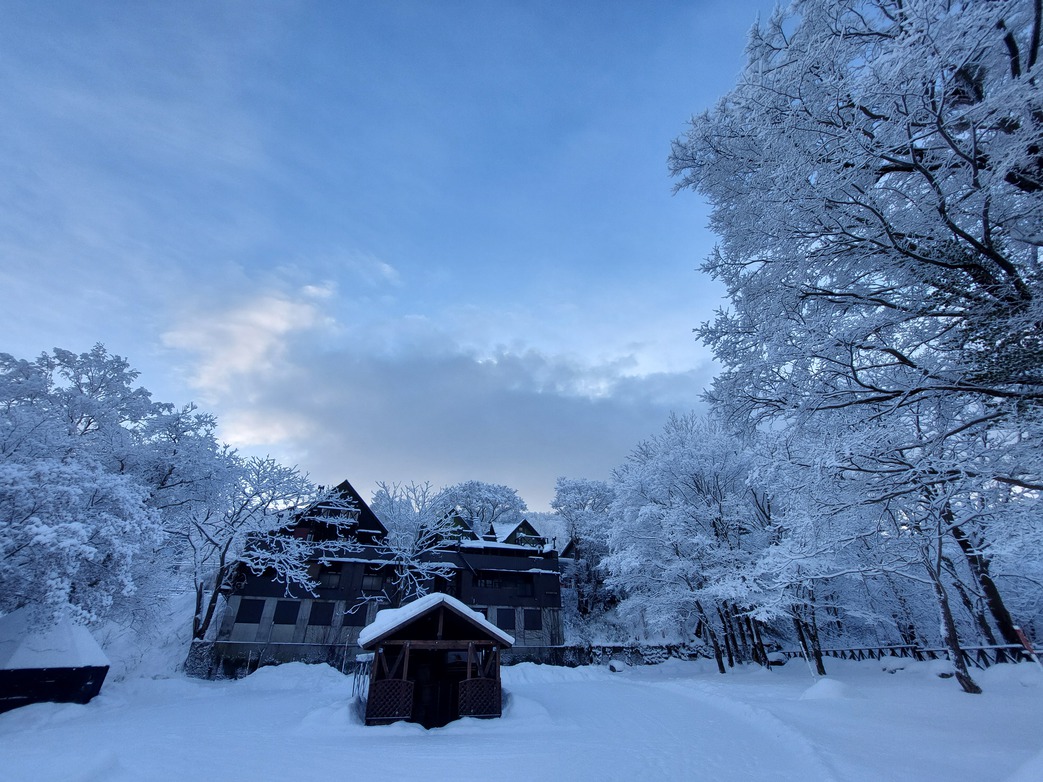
448 414
239 347
345 391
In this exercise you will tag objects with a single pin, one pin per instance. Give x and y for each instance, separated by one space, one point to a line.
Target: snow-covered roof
490 544
505 529
390 619
61 645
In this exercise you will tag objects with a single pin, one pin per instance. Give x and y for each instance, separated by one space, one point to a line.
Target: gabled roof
522 529
463 528
366 521
390 620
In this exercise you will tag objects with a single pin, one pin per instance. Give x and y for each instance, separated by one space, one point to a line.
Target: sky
396 241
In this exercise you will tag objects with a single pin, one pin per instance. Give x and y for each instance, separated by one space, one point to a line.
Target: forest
871 467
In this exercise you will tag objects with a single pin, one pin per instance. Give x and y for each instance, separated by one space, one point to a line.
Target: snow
62 645
479 544
391 618
678 720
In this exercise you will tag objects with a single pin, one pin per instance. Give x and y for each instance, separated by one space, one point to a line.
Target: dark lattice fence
480 698
389 699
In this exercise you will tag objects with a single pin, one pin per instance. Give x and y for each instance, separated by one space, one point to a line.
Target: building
59 662
511 576
433 660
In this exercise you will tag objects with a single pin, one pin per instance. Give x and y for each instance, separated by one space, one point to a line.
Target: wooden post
375 665
1027 644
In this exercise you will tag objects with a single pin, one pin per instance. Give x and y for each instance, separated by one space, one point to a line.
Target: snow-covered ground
676 721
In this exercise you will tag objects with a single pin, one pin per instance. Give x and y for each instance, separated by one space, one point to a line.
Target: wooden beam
452 645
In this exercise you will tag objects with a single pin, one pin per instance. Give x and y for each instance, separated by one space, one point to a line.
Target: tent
61 662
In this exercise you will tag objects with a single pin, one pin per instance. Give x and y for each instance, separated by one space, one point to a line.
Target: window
533 618
505 618
321 613
525 587
373 582
249 611
329 578
487 580
286 612
356 619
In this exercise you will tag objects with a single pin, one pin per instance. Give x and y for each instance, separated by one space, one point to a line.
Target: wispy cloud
238 347
376 259
429 410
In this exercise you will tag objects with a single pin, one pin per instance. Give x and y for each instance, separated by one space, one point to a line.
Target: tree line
873 460
110 502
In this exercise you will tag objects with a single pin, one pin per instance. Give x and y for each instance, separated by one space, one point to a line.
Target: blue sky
383 241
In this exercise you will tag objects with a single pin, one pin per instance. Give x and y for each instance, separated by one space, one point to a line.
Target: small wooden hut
434 660
60 662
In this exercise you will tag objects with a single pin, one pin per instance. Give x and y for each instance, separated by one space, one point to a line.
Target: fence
232 659
974 656
229 659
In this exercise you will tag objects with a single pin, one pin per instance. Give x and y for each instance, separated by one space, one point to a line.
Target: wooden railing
976 656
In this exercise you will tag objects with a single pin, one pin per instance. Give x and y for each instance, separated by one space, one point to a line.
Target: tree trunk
202 624
728 642
932 562
197 617
736 621
813 633
705 622
976 614
816 646
761 654
979 565
903 620
952 642
801 639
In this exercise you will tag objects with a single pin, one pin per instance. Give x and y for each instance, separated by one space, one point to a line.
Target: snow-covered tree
71 534
684 525
876 182
245 521
483 505
106 496
75 525
584 505
421 528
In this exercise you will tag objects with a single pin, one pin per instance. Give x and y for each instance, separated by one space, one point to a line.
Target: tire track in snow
621 728
759 719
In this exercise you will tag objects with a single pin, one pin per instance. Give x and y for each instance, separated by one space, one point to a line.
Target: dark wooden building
60 662
434 661
511 577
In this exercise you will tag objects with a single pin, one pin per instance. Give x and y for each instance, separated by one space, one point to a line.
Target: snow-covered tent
434 660
61 662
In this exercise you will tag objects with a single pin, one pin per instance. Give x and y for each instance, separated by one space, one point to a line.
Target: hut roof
62 645
391 619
